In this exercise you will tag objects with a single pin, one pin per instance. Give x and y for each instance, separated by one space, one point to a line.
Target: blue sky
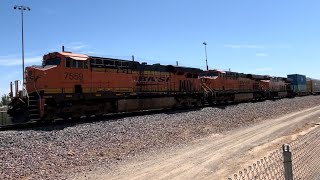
262 37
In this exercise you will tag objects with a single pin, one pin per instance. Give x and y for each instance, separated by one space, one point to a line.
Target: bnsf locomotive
70 85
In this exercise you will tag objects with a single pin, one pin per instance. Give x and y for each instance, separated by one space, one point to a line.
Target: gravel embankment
50 153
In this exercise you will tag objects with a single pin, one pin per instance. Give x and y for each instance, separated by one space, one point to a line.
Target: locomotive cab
51 61
57 69
65 59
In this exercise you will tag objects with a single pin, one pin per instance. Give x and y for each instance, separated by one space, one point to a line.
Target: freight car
313 86
70 85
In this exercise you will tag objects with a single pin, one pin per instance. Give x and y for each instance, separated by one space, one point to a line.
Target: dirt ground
217 156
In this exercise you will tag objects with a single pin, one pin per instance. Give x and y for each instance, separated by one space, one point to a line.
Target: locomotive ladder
34 114
208 91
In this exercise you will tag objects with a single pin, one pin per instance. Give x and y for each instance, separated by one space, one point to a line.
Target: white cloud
13 60
244 46
282 46
16 60
76 47
262 54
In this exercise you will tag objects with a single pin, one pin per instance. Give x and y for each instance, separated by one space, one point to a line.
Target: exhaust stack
16 84
11 90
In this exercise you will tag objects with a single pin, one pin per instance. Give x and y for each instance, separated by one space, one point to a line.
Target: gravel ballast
53 152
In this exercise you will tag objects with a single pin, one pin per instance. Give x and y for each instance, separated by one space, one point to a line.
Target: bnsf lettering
151 79
73 76
163 79
154 79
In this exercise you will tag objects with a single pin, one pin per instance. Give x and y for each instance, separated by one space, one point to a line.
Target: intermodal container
297 79
313 86
309 86
299 89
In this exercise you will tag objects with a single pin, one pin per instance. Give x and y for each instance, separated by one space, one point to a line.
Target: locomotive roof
106 58
81 57
157 67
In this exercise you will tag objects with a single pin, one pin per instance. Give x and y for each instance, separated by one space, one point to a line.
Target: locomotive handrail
207 88
24 89
204 87
34 85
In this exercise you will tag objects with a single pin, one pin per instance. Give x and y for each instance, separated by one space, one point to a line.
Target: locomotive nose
29 75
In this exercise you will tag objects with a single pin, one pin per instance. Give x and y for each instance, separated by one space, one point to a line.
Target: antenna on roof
133 58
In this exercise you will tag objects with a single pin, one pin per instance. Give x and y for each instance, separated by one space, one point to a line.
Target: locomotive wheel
66 117
76 118
99 116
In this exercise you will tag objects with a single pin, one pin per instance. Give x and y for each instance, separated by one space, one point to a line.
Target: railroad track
107 117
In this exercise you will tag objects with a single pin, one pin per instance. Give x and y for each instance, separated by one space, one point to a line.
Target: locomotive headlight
30 73
30 76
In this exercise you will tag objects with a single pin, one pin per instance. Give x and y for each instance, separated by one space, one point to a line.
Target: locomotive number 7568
73 76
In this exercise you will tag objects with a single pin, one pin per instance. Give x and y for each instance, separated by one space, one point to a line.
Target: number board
73 76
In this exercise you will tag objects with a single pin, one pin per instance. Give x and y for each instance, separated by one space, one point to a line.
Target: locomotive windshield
51 61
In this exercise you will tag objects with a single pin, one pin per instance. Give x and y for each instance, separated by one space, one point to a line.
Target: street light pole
22 8
205 49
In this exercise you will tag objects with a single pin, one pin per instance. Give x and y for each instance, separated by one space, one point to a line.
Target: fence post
287 162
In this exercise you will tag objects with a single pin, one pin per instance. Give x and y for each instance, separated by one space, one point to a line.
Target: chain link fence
299 160
306 156
267 168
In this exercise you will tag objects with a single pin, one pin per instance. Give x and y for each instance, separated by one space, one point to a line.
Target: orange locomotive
225 86
276 87
74 85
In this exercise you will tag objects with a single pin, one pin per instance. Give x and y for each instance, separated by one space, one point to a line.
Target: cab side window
68 62
77 64
72 63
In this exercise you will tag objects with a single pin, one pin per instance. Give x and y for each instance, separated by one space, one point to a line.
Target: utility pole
22 8
205 49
